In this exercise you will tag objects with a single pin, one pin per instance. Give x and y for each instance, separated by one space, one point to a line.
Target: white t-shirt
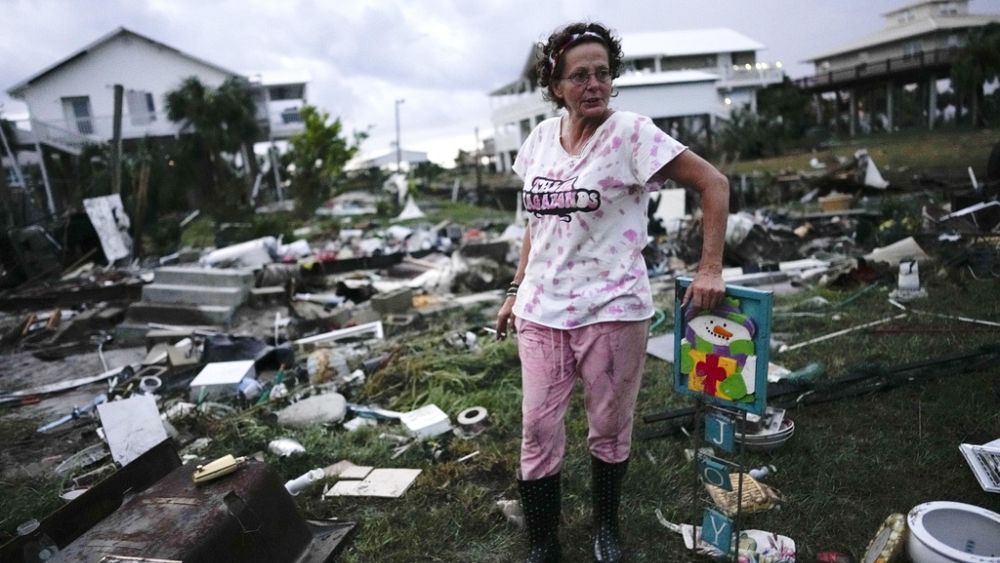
588 224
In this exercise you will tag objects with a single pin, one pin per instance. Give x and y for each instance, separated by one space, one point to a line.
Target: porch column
888 106
931 101
818 102
853 110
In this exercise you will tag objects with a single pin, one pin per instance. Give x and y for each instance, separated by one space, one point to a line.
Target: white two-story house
915 49
71 102
684 80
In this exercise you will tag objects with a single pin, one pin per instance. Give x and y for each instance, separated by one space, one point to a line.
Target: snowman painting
717 352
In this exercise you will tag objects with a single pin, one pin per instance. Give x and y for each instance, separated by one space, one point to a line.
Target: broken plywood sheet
131 426
108 216
387 483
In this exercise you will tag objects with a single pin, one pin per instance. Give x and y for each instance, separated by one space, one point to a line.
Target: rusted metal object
245 517
70 521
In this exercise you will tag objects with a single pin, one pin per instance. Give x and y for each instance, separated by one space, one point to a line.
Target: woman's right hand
505 317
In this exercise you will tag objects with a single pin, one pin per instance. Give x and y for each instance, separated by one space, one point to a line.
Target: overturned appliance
246 516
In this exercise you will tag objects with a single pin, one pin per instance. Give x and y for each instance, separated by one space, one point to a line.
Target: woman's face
587 99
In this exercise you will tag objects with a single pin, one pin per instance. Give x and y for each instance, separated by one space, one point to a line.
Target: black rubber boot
541 501
606 493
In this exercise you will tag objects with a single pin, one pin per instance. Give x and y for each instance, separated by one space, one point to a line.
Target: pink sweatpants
608 358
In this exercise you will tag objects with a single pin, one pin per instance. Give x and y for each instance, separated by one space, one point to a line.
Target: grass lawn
850 463
903 153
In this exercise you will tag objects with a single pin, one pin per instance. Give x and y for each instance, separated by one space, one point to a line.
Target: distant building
915 49
71 103
684 80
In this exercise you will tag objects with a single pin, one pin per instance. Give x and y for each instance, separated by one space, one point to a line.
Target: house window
912 49
694 61
141 107
745 58
287 92
78 114
291 115
12 180
644 65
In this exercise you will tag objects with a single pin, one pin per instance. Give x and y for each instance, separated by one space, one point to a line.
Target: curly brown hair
552 48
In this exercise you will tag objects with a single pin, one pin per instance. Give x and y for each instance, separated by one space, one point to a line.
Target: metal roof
16 90
913 29
686 42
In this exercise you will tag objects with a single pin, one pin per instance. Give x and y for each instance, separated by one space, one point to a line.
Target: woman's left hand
706 291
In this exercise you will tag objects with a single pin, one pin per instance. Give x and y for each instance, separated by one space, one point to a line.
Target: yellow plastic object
218 468
888 543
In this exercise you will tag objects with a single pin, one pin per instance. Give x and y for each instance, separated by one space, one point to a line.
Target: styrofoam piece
426 422
221 380
131 426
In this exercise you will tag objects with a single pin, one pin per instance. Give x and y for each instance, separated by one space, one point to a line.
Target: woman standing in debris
581 296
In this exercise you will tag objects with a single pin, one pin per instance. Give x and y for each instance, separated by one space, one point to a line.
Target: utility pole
399 149
116 142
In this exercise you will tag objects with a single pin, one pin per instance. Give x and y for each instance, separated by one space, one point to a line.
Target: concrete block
221 380
193 295
398 301
181 275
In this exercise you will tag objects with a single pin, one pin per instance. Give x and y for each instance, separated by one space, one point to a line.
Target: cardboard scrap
387 483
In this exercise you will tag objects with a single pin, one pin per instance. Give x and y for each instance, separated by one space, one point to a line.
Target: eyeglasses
582 77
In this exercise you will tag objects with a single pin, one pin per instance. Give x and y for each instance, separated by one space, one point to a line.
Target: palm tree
977 62
216 121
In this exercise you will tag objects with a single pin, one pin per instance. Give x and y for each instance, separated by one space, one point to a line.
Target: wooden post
116 142
932 102
888 106
853 110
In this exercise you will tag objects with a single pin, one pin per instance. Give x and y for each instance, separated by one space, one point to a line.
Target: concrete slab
179 314
193 294
179 275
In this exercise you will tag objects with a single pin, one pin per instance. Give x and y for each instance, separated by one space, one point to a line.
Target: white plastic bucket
947 532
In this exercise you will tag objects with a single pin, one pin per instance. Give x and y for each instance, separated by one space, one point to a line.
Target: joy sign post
720 360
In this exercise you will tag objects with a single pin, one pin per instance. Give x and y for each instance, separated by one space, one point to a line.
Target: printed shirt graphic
587 218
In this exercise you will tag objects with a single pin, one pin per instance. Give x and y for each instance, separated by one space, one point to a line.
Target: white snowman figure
717 352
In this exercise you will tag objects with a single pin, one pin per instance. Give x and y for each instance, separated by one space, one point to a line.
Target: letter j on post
720 431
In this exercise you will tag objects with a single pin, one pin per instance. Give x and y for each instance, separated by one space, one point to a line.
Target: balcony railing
876 69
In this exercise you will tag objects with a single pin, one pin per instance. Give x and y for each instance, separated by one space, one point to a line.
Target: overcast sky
441 56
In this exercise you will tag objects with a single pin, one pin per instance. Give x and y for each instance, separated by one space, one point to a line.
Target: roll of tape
472 415
150 384
472 421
